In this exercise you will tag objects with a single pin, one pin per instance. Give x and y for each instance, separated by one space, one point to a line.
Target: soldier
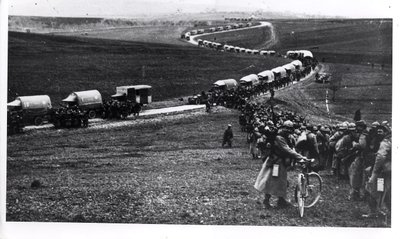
379 184
254 143
356 168
228 136
342 130
272 179
242 122
307 143
344 153
322 142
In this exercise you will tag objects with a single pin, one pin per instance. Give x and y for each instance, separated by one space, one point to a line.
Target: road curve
262 24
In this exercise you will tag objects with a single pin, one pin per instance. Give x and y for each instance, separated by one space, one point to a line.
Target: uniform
381 170
281 157
356 168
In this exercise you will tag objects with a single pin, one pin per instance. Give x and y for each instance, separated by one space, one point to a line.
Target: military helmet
288 124
352 126
361 123
375 124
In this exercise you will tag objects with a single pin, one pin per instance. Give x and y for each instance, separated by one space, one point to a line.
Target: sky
132 8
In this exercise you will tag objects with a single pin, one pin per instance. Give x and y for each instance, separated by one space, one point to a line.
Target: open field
172 169
169 170
362 87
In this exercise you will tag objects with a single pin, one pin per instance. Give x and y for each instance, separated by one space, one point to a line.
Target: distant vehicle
249 80
136 93
266 76
220 28
218 46
34 109
187 36
200 42
193 32
227 28
256 52
212 29
290 68
279 72
200 31
226 84
89 101
297 64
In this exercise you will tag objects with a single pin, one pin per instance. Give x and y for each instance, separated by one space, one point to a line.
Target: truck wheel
92 114
38 121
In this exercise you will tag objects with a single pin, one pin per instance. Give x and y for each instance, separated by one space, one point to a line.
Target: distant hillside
54 24
67 24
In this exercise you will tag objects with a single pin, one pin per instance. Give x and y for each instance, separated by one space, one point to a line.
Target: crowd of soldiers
116 109
350 151
71 116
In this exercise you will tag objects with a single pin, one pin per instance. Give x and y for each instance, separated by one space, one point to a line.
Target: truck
34 109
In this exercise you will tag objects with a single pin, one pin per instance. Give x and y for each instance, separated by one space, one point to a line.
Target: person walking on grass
272 178
228 136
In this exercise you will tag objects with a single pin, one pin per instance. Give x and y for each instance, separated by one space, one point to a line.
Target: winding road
273 40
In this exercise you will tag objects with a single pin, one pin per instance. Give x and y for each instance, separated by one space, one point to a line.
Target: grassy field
355 41
362 87
171 169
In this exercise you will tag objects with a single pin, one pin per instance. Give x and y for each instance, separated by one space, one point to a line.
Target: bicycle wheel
313 189
299 194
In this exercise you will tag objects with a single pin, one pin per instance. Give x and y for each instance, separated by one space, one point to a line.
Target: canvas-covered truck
223 85
266 76
89 101
249 81
33 109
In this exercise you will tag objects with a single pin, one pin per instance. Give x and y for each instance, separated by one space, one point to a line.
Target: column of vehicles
194 32
303 64
77 108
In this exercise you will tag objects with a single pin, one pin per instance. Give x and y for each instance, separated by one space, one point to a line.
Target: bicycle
308 188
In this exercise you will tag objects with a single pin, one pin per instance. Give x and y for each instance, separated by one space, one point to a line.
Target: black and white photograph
197 119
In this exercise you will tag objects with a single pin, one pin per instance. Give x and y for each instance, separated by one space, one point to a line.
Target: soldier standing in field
356 168
379 184
228 136
272 179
